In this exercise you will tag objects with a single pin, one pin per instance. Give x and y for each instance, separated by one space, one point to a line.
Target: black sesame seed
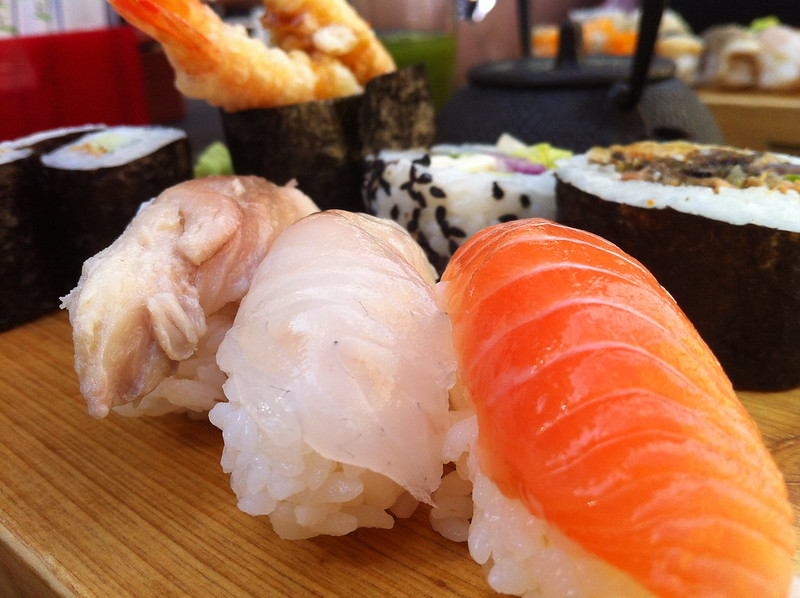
440 213
413 224
525 201
423 161
395 212
457 232
437 192
507 217
497 192
425 178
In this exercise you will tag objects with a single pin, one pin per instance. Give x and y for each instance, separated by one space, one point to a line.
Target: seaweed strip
322 144
28 290
397 112
315 143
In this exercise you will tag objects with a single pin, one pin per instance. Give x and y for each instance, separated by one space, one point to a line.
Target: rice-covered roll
339 364
96 183
720 229
445 194
27 290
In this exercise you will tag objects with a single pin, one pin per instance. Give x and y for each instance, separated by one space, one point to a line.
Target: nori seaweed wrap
322 144
730 256
95 185
28 290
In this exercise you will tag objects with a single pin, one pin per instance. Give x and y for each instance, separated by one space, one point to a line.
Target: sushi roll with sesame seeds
446 193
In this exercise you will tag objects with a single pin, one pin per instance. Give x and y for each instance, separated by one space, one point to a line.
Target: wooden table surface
140 507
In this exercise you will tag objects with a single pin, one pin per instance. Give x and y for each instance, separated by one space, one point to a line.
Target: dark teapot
576 101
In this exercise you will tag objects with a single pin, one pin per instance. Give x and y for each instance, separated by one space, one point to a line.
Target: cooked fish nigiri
161 296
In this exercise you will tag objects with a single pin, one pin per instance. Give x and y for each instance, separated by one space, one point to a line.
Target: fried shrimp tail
220 63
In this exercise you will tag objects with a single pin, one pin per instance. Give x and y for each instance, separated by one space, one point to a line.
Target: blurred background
66 62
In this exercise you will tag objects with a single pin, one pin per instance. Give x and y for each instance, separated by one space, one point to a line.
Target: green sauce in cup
436 50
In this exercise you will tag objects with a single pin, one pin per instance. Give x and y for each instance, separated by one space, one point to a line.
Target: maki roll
322 144
95 185
445 194
28 290
720 229
26 268
43 142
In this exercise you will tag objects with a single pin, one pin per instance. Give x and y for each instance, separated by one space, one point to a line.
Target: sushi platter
366 358
141 507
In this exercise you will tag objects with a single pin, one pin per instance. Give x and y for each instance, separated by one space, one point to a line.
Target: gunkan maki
322 144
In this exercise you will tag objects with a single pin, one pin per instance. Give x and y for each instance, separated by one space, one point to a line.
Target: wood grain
140 507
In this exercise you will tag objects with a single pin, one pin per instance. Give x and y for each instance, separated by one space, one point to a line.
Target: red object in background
68 79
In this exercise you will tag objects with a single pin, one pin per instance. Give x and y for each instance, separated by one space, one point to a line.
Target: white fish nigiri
339 364
149 310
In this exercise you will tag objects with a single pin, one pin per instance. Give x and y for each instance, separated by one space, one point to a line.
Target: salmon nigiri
607 431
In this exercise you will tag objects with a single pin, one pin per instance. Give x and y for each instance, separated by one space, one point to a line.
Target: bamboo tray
140 507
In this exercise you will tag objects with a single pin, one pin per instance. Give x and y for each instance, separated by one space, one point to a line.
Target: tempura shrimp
332 27
220 63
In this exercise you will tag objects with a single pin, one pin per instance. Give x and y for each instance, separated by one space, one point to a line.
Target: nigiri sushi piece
149 310
339 364
608 452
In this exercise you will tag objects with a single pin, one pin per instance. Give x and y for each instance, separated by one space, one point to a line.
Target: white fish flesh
339 365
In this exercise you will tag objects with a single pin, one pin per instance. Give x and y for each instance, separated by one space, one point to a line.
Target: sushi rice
445 194
522 555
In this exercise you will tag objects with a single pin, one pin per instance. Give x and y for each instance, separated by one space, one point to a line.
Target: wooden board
756 120
140 507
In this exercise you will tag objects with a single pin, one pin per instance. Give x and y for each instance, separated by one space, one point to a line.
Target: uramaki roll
720 229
